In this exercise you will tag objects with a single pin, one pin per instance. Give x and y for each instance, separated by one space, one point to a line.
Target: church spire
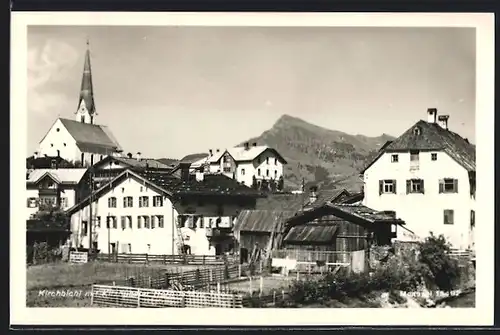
86 106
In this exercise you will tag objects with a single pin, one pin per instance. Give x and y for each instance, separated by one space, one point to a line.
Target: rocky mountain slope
318 155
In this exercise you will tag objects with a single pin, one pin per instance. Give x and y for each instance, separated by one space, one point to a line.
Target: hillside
326 157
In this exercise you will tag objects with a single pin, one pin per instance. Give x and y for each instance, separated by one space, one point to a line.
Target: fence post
203 257
150 284
261 285
164 259
183 301
239 271
147 260
218 287
138 297
92 296
211 277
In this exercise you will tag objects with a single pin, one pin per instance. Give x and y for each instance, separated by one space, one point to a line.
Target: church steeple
86 107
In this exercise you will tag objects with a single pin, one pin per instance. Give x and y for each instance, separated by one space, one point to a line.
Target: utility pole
91 220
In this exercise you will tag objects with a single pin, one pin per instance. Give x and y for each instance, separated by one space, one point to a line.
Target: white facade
148 229
59 142
424 212
267 166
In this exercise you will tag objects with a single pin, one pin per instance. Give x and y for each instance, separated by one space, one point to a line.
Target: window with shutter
129 219
124 222
414 186
146 222
448 185
139 222
161 223
153 223
387 186
472 218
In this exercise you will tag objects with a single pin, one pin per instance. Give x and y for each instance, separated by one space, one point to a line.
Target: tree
281 184
254 183
443 271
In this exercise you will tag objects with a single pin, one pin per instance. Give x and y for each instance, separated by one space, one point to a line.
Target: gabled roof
192 158
69 176
134 163
311 233
45 162
91 137
242 154
431 136
348 212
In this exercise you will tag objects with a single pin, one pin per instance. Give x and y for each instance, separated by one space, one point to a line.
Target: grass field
75 278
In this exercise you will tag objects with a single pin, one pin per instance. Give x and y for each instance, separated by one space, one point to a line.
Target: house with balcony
428 177
157 212
250 165
49 189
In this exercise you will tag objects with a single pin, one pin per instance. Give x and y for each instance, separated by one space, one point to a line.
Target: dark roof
431 136
45 162
347 212
193 157
91 137
262 220
311 233
289 202
170 185
212 184
135 163
326 196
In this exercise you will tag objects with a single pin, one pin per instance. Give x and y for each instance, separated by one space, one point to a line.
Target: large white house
244 163
428 177
80 140
156 212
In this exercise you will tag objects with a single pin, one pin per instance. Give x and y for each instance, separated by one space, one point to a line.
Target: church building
80 141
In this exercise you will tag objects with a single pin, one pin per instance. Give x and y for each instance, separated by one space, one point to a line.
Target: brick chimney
247 145
129 155
138 156
443 121
211 152
431 115
35 155
254 144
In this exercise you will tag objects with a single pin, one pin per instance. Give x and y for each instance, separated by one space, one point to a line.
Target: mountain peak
286 119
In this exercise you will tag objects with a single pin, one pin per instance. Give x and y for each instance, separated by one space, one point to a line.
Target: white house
159 213
49 188
245 163
80 140
428 177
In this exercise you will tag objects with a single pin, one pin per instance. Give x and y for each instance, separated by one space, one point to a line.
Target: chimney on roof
211 152
254 144
313 196
431 115
138 156
185 171
443 121
129 155
35 155
247 145
199 175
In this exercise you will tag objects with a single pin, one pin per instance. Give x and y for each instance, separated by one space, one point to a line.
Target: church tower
86 107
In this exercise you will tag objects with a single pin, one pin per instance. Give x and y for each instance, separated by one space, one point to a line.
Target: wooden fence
168 259
120 296
314 261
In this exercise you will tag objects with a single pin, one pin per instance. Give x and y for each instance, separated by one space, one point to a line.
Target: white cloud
49 64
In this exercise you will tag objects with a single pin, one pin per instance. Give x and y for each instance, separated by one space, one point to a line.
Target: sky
172 91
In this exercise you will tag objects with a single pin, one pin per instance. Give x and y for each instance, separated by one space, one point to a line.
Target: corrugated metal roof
61 175
90 134
364 212
311 233
261 220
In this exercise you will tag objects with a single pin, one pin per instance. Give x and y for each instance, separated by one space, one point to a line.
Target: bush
42 253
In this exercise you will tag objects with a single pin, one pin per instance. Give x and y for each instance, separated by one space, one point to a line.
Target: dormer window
416 131
82 119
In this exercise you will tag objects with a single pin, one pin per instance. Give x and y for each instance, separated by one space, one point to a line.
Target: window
98 222
91 158
146 222
258 172
128 202
157 201
161 223
416 131
139 222
394 158
153 221
276 161
51 145
434 157
112 202
448 185
82 158
141 189
111 222
129 220
57 129
414 186
242 172
64 144
124 222
202 222
32 203
267 173
123 189
472 218
227 169
84 228
275 173
387 186
448 216
414 155
82 119
267 160
144 201
64 202
129 248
